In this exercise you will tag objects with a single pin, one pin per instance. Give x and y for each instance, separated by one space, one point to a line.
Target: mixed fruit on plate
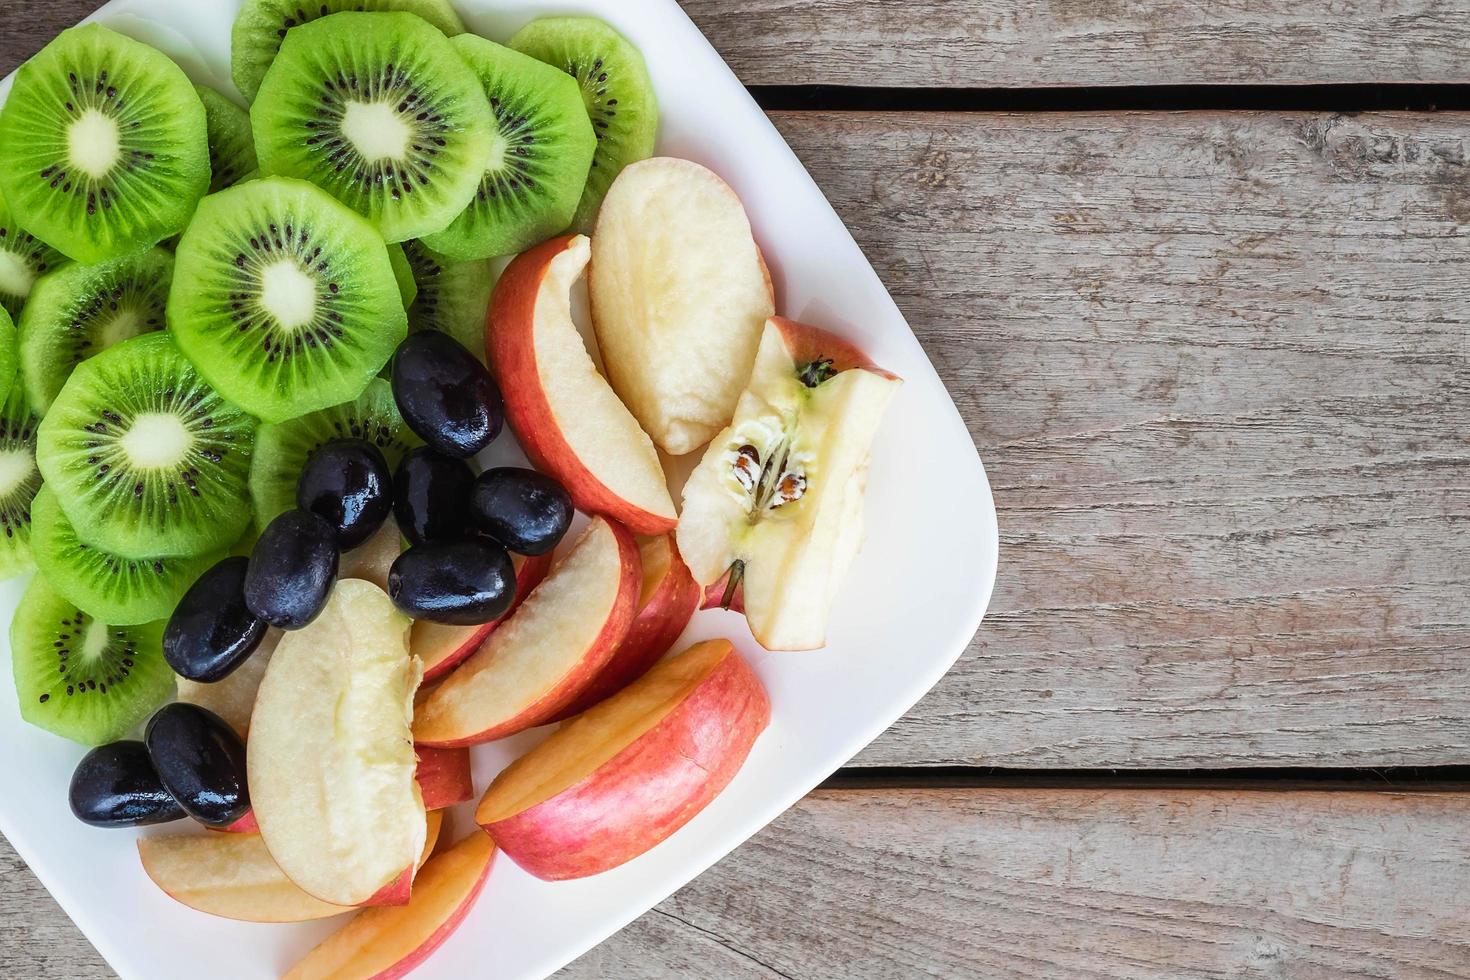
248 361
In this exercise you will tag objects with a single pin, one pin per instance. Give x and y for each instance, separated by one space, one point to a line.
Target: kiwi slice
539 158
80 677
381 111
81 310
261 26
231 144
103 146
146 458
284 298
282 450
117 590
19 480
9 357
403 275
24 258
615 88
452 296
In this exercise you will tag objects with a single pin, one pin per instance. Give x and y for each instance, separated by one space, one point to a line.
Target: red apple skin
551 704
714 595
410 961
245 825
426 949
444 776
396 892
529 575
655 629
807 344
512 354
648 790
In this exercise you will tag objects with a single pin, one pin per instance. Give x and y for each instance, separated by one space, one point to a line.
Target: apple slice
235 876
444 776
543 656
441 647
624 775
233 698
384 944
371 560
667 603
566 416
774 510
679 294
330 755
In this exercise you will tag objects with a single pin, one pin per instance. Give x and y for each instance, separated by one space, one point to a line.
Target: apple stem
733 578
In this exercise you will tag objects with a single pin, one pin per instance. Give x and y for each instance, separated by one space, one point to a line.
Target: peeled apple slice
330 755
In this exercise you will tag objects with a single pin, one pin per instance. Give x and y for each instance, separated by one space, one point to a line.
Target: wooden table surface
1212 340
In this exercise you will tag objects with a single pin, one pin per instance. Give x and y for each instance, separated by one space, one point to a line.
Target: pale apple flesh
371 560
233 698
679 296
444 777
773 513
563 411
667 603
330 755
386 943
441 647
623 776
541 658
235 877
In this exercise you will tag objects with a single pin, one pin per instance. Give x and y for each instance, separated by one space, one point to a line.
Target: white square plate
909 607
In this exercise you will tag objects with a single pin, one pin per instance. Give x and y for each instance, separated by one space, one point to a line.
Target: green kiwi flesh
24 258
616 90
9 356
261 26
146 458
452 296
539 158
403 275
80 677
103 146
284 298
381 112
80 310
20 478
119 591
231 144
281 450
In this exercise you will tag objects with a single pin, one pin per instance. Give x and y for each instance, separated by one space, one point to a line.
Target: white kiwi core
124 326
94 143
376 130
156 441
288 294
16 275
16 467
95 641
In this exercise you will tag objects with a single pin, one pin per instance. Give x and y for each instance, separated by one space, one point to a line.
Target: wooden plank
30 24
1005 43
1020 883
1077 884
1218 367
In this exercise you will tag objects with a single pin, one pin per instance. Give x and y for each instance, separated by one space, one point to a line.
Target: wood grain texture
1217 366
31 24
1123 885
1010 43
1073 884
